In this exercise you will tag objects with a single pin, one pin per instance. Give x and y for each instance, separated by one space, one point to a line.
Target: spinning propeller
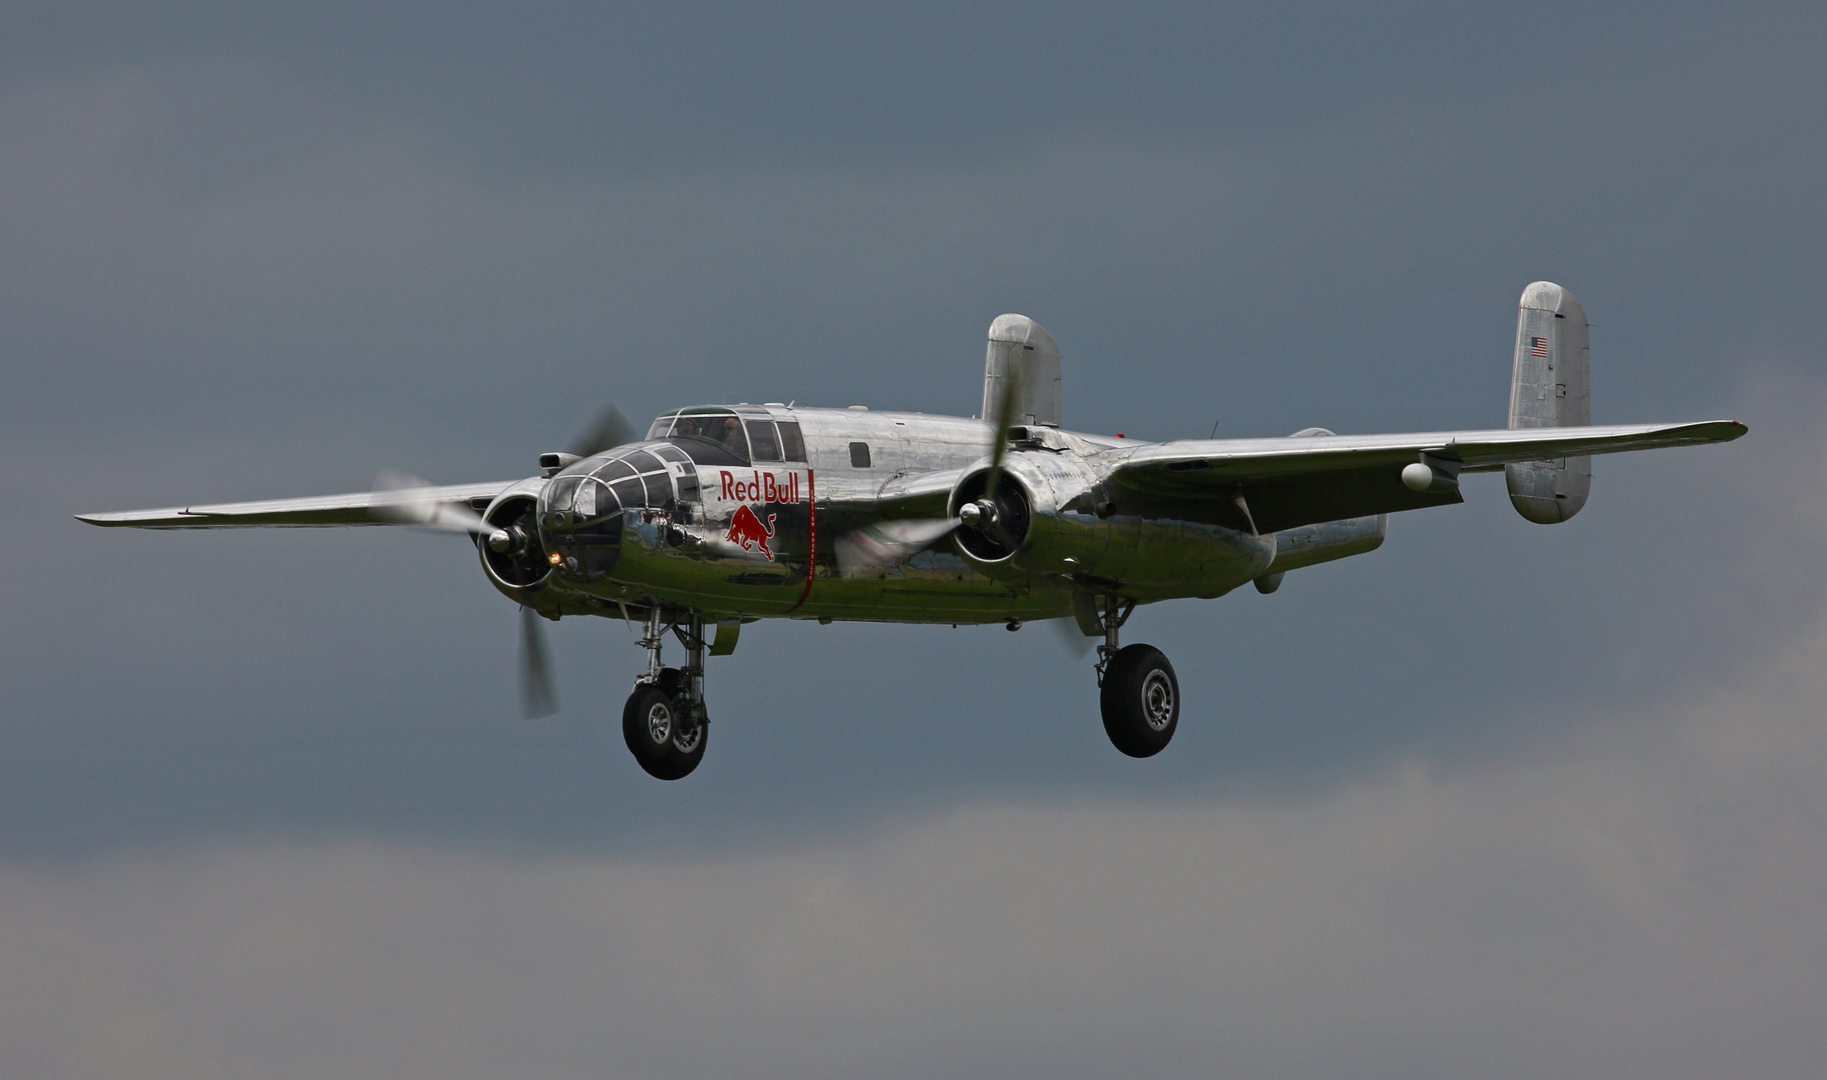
888 543
412 504
609 430
984 513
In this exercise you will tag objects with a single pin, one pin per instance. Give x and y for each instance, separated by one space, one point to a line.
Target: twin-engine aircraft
723 515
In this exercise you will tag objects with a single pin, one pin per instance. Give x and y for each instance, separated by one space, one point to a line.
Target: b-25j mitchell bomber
724 515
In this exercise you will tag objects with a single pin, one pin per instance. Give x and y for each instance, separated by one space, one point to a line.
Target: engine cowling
1039 520
518 567
995 525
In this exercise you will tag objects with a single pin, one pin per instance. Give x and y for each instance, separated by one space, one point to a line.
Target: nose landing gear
665 723
1140 696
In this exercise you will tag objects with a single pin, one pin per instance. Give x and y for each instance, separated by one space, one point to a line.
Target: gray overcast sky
1495 799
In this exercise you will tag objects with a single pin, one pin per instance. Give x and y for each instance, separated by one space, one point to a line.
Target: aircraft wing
1290 482
322 511
918 495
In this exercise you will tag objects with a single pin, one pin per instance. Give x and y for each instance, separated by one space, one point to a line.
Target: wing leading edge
321 511
1293 482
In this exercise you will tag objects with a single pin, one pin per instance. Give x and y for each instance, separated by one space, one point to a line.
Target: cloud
1645 903
263 809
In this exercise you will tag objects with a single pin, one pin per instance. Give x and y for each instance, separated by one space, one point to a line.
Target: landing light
554 558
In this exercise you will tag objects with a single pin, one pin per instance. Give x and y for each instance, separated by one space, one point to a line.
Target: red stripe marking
811 538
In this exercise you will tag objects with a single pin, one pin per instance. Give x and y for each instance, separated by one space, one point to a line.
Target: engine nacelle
1040 520
518 568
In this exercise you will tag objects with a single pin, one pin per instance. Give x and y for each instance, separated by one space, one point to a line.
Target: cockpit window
762 440
710 436
581 520
643 461
728 431
631 492
586 500
615 470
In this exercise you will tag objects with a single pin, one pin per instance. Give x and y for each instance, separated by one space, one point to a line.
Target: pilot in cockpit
686 427
731 435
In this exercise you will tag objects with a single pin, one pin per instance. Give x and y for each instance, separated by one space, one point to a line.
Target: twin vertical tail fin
1549 388
1022 359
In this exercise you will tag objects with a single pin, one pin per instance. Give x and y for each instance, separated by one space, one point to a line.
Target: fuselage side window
763 445
792 447
859 455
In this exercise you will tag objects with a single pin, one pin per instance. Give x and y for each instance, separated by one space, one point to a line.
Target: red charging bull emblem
748 533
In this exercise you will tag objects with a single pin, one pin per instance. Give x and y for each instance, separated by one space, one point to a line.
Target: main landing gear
665 723
1141 696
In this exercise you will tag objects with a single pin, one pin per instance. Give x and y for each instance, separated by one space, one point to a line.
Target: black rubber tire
658 744
1140 701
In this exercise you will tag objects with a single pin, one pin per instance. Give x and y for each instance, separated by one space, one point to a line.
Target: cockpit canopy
580 509
743 435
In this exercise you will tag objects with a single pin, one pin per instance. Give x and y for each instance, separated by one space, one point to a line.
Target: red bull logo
748 533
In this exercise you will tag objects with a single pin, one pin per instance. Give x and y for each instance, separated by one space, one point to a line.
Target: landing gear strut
665 723
1141 696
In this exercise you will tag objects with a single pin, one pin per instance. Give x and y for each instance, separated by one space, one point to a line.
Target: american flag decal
1538 346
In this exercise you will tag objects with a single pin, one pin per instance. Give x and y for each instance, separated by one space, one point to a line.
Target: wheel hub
1157 700
659 723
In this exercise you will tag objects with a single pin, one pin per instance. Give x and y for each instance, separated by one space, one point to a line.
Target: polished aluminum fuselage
758 541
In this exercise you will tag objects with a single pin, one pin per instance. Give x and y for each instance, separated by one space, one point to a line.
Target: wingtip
117 518
1718 430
